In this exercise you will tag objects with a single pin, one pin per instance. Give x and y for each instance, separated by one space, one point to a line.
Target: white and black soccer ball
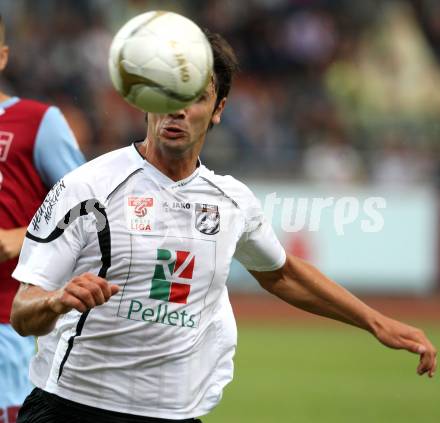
160 61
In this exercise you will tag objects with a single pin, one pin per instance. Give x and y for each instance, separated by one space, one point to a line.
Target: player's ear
4 53
216 116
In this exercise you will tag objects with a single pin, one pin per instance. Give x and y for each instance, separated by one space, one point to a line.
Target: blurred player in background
136 312
37 148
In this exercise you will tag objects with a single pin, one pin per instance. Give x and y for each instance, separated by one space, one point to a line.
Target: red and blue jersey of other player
37 148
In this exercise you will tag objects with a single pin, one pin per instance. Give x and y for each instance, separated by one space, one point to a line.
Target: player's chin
176 144
176 139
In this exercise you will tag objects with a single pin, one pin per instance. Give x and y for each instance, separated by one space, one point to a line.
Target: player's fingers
95 285
428 361
108 288
421 368
102 283
414 347
73 302
84 295
64 302
114 289
95 289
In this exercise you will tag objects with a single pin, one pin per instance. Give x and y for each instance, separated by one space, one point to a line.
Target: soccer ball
160 62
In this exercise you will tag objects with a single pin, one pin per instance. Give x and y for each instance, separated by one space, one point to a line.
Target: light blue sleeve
56 151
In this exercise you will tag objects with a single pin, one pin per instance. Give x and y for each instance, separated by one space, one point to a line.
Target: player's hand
398 335
82 293
11 241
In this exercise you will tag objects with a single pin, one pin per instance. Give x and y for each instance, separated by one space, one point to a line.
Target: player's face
185 130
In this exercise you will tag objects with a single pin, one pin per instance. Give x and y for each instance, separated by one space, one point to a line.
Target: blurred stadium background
335 98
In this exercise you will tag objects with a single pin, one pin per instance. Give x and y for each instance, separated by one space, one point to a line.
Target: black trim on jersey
78 211
104 239
221 191
79 328
124 181
135 144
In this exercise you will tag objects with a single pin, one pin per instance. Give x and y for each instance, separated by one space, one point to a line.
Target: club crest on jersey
207 219
139 213
5 144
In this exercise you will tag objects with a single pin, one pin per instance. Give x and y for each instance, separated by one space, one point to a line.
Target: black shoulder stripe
104 239
75 212
221 191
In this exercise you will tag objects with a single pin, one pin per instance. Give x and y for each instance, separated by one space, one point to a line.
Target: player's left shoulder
233 188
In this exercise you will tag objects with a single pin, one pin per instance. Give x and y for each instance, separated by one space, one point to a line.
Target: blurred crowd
329 91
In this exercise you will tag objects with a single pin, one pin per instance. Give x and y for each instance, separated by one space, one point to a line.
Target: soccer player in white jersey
124 276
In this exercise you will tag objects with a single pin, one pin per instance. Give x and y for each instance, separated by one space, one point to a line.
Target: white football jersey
163 346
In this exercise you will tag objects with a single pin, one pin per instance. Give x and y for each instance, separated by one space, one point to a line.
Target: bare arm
35 310
302 285
11 241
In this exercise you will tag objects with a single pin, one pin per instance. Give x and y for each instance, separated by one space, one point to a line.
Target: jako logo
172 265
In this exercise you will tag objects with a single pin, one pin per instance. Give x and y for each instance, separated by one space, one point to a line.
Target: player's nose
178 114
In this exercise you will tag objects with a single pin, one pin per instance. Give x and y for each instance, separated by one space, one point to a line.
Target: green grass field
325 374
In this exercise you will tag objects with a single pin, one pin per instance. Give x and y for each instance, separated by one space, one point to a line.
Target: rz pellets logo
170 285
172 265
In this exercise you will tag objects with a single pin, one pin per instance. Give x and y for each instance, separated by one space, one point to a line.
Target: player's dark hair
225 64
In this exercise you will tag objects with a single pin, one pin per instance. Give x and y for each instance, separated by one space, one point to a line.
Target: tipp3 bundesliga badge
140 213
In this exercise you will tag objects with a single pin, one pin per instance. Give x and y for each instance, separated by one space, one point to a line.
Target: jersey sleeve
258 248
56 151
54 239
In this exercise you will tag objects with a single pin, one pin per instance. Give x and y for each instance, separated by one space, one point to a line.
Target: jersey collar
161 177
